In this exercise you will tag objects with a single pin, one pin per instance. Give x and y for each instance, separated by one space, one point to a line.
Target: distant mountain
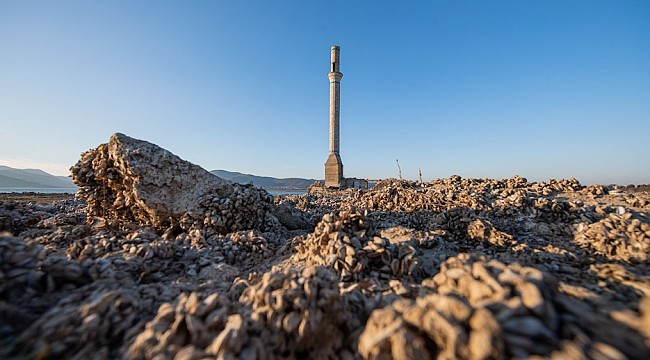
265 181
39 179
32 178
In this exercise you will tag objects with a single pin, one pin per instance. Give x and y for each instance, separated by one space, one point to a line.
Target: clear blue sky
542 89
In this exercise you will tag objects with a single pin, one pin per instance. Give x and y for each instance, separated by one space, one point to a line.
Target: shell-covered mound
453 268
617 236
479 309
130 180
443 194
291 314
347 242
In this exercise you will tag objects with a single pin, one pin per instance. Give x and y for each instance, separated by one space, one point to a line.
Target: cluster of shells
187 325
519 298
444 194
18 263
347 242
247 249
96 323
57 307
243 207
617 236
463 223
286 314
85 291
479 309
33 279
26 268
300 310
20 216
405 196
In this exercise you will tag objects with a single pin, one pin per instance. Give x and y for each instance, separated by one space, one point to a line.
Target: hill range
39 179
265 182
32 179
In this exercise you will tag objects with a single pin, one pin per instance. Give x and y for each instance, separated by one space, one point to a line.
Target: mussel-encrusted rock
618 236
290 314
132 180
347 241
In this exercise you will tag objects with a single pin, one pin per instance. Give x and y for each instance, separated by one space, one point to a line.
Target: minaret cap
336 61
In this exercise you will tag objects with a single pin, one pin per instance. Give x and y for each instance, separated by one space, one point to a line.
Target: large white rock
136 181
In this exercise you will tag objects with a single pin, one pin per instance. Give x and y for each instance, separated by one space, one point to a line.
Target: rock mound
479 309
134 181
347 242
291 314
618 236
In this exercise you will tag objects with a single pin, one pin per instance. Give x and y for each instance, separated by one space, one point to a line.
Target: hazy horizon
322 178
483 90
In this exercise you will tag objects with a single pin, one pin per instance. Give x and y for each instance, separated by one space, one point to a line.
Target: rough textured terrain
452 268
129 180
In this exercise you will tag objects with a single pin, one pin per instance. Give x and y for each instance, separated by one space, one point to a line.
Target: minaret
334 165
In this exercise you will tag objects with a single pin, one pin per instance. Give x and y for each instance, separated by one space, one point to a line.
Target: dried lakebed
452 268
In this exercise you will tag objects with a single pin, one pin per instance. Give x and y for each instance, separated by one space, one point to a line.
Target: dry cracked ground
146 264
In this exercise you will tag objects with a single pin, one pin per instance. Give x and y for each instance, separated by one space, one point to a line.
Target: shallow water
287 192
39 190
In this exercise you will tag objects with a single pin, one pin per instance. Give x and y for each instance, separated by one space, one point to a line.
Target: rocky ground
452 268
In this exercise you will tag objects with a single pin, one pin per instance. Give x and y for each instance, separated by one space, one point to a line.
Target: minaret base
333 171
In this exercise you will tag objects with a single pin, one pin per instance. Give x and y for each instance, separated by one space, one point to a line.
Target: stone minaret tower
334 165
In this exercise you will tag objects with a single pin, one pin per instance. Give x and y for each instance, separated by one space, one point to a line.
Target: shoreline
43 198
